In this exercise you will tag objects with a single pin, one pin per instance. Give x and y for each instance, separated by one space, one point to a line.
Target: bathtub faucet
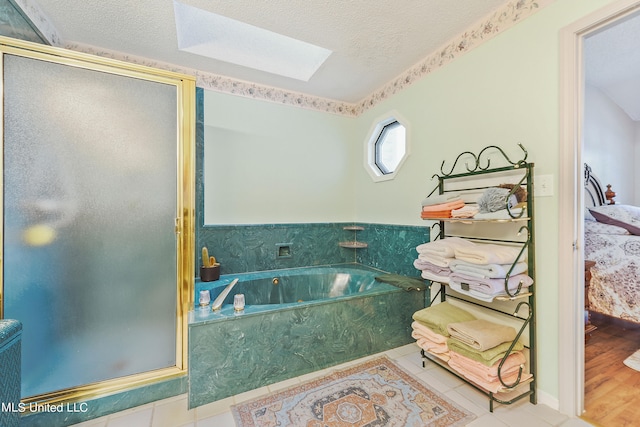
217 304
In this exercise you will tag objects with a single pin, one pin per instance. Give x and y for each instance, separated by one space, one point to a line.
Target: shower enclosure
97 212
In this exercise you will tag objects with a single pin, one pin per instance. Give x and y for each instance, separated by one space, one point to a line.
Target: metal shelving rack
477 175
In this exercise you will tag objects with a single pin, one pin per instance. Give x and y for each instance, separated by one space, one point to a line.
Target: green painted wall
502 92
268 163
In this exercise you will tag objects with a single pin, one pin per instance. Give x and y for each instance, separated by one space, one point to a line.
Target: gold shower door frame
185 197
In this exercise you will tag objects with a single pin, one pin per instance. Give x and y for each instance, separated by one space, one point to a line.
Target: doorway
571 238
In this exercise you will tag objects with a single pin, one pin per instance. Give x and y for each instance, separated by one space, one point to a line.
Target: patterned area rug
633 361
376 393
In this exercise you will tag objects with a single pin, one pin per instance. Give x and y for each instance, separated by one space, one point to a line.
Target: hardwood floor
612 390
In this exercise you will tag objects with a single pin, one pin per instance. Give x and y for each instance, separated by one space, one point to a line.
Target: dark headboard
593 192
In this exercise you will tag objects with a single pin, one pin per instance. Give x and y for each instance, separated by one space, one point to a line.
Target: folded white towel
444 247
489 253
489 287
440 261
422 264
486 271
430 275
441 198
501 214
480 296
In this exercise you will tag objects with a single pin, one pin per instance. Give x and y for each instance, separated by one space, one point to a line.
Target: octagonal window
390 147
387 148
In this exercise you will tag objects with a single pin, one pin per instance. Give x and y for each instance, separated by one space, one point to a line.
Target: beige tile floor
173 412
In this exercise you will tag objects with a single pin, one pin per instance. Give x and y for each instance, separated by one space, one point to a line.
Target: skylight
218 37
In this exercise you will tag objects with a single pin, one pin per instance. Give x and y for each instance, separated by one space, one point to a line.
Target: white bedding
615 282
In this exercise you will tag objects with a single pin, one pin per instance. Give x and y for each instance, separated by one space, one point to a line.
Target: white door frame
570 193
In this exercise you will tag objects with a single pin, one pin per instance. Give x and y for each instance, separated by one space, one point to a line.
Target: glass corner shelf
353 245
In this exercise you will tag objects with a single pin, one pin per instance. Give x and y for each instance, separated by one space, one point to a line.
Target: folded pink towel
487 376
442 356
456 204
429 340
467 211
489 373
494 385
431 347
426 332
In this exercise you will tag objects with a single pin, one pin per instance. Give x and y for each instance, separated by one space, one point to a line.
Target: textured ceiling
372 41
612 63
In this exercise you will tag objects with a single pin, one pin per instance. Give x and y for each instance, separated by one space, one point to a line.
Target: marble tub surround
247 248
230 353
391 247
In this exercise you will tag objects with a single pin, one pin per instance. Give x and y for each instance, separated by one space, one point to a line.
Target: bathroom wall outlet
543 186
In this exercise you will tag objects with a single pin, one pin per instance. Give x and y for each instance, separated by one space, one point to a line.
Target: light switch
543 186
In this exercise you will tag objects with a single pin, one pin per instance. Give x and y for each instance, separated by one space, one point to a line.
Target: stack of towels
441 206
434 258
429 327
492 204
472 347
475 269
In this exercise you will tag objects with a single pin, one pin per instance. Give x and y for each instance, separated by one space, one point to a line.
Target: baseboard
547 399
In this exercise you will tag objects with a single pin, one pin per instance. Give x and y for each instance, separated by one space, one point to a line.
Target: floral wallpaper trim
228 85
501 20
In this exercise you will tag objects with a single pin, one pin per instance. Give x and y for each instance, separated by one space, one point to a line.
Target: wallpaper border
497 22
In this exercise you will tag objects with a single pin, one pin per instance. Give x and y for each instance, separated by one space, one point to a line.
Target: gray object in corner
10 374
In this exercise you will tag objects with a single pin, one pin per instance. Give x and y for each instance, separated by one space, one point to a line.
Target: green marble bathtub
232 353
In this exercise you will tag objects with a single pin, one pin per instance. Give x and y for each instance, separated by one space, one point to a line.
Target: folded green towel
438 316
481 334
487 357
403 282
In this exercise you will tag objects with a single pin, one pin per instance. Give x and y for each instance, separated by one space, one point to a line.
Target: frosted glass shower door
90 181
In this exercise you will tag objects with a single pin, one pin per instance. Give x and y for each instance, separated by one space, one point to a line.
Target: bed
612 241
